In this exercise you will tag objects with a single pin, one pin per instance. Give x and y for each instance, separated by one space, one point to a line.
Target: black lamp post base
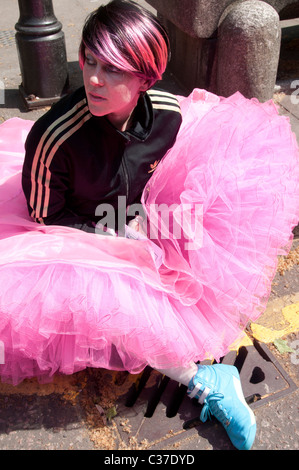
42 54
34 102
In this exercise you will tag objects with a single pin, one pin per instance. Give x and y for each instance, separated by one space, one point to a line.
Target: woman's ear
144 86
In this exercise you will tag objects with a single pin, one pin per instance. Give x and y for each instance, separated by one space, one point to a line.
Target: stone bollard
249 37
225 46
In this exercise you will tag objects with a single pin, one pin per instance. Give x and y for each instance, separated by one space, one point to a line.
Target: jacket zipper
126 171
126 180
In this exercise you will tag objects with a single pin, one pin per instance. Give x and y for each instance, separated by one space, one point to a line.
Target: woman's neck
121 124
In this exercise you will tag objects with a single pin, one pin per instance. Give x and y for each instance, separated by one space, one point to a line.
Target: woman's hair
129 37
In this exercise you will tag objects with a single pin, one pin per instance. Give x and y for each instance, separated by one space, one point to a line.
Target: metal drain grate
7 38
165 402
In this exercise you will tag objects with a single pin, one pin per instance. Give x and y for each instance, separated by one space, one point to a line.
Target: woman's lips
96 98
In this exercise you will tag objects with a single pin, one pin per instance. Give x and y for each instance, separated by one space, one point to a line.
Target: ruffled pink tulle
71 300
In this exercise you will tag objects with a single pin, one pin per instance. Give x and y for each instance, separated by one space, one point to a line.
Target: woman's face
110 92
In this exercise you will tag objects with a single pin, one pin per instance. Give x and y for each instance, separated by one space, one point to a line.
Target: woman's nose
97 78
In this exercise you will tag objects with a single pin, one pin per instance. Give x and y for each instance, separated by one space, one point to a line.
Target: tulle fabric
71 300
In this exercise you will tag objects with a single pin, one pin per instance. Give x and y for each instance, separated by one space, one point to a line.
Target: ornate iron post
42 53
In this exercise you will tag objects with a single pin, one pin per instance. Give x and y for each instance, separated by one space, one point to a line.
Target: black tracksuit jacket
75 161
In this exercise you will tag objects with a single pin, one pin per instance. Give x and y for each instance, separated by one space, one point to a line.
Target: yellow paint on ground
243 341
278 321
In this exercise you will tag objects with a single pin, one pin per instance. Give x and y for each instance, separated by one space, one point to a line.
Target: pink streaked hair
129 37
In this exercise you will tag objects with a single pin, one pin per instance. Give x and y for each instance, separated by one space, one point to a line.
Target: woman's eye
90 60
112 69
108 68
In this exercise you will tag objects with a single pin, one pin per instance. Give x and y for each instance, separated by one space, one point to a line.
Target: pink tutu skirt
71 300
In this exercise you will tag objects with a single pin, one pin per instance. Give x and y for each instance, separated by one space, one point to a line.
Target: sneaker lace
213 407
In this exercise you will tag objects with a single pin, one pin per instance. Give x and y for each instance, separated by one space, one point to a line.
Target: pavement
87 411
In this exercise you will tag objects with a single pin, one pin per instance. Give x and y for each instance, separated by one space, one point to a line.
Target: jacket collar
143 118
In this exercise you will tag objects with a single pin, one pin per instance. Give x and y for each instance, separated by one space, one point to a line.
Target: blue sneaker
218 388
